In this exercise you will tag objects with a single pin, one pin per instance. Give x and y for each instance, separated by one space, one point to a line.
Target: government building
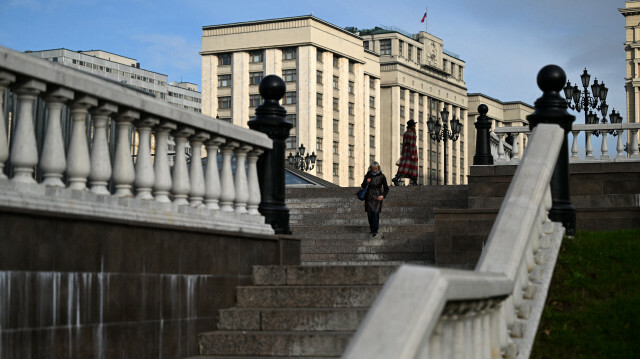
631 13
349 92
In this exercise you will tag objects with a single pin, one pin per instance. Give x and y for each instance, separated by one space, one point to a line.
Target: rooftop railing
79 144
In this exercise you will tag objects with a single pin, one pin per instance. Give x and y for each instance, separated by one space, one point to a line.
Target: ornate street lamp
439 132
579 100
300 161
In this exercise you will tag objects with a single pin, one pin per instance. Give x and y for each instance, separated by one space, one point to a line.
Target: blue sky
503 42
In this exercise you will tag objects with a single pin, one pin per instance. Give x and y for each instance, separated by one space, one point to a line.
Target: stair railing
494 311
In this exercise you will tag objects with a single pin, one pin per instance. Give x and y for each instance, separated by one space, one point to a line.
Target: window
336 148
319 121
336 63
336 104
319 144
366 45
411 114
400 48
255 78
290 53
319 77
256 56
372 121
224 80
289 75
372 83
336 169
351 130
419 59
224 102
224 59
336 83
351 87
401 111
401 130
351 66
318 166
319 99
336 125
420 136
401 94
372 158
351 151
255 100
291 143
372 102
420 99
372 141
290 98
319 55
420 116
351 170
409 52
291 118
352 108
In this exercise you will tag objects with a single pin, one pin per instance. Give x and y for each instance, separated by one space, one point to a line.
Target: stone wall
82 288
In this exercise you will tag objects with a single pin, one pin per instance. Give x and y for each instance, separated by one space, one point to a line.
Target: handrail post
270 119
483 145
552 108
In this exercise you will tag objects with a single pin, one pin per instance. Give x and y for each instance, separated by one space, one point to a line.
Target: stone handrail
40 172
616 129
493 311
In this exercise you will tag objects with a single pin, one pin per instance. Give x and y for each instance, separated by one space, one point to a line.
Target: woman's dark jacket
377 186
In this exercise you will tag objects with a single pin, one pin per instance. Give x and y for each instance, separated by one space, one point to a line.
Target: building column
240 89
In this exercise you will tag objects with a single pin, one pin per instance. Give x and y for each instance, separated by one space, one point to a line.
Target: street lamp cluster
579 100
438 131
300 161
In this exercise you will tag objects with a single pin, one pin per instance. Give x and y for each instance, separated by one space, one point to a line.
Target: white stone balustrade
630 129
492 312
225 198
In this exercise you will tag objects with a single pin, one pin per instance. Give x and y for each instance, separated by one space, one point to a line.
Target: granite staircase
333 227
295 312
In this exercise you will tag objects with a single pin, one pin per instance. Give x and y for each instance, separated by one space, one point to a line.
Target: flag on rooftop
424 16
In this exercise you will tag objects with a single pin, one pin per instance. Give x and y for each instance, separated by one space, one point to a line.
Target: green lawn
593 307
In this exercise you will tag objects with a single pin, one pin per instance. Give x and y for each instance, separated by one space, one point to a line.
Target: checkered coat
408 163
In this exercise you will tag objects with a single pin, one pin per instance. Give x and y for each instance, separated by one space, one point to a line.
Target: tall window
400 48
352 108
319 55
366 45
290 98
351 172
372 83
351 130
401 111
372 121
336 125
318 166
409 52
319 76
372 141
255 100
319 99
224 102
289 75
291 143
352 87
411 114
351 66
256 56
351 151
319 121
336 147
385 47
255 78
372 102
336 169
290 53
224 59
336 82
224 80
292 119
336 104
319 144
336 63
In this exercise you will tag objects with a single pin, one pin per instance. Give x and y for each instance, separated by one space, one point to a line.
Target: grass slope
593 307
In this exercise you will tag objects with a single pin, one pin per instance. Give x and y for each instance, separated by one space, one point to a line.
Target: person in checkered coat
408 163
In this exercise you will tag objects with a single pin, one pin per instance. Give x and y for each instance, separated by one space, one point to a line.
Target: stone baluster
228 194
162 184
145 177
53 161
634 143
574 144
515 152
604 147
588 146
123 171
5 79
620 146
254 184
240 184
78 161
100 158
181 186
198 188
212 177
24 152
502 158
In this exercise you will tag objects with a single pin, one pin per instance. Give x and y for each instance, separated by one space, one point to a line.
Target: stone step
425 247
292 344
321 276
364 236
357 229
426 258
351 221
298 319
356 296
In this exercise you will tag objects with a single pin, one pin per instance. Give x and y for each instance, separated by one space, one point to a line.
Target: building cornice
440 75
629 11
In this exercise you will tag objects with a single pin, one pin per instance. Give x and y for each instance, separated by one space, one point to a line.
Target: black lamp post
300 161
579 100
439 132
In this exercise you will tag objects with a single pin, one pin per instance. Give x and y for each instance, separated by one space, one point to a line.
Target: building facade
127 71
631 13
332 87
